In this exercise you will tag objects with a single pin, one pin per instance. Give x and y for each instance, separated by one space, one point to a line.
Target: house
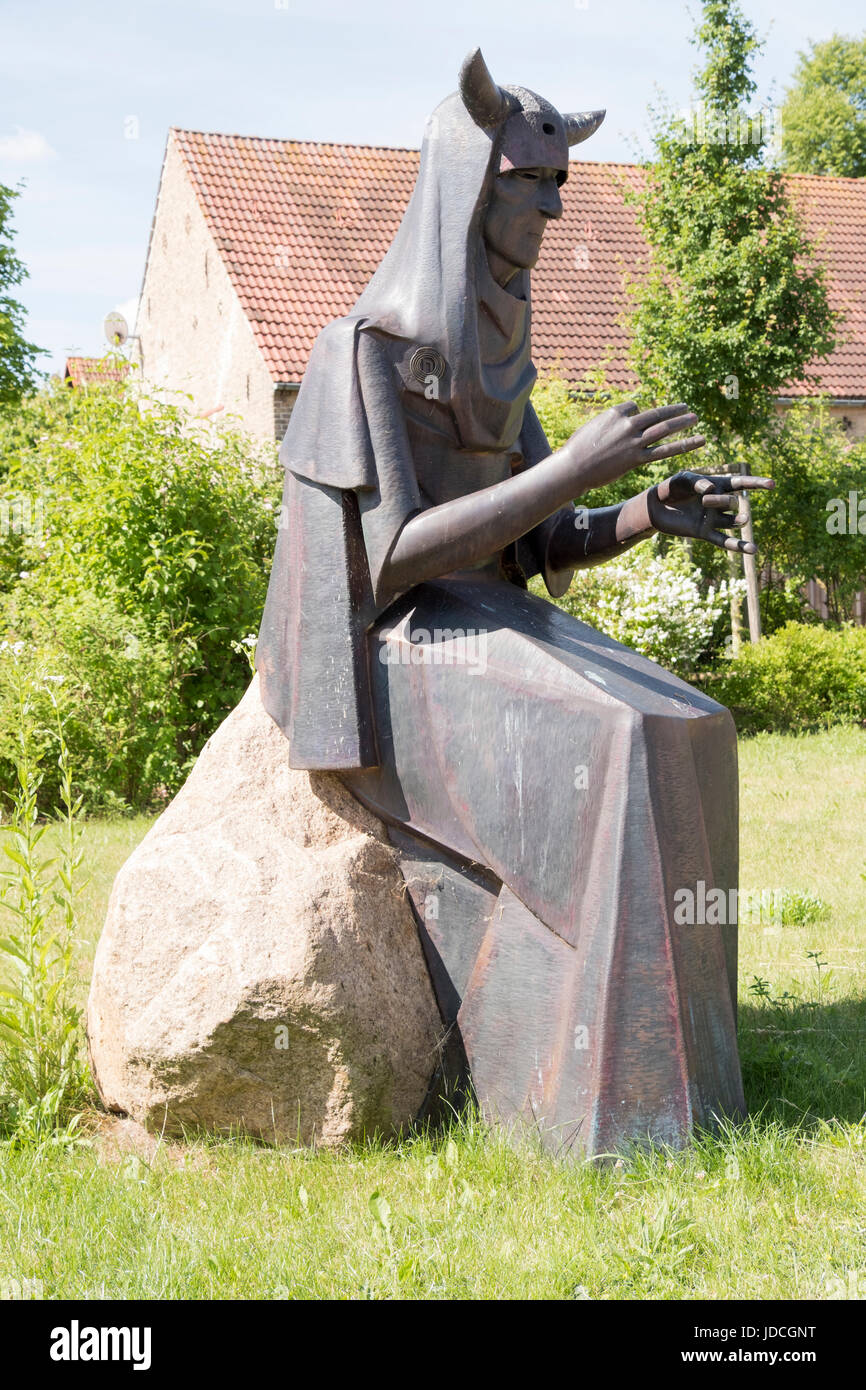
257 244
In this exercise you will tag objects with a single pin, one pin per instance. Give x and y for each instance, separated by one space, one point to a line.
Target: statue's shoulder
383 359
337 336
353 336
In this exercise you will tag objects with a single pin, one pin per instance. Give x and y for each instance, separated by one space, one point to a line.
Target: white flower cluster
653 602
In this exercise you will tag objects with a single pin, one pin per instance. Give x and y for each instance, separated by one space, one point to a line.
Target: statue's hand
697 504
623 438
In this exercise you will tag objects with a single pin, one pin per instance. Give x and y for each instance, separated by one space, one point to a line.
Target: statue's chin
505 266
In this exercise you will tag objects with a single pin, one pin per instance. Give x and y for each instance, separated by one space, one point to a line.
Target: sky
88 91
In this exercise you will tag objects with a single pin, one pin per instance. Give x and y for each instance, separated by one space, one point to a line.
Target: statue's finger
704 485
648 418
673 425
731 543
744 482
717 499
680 446
679 487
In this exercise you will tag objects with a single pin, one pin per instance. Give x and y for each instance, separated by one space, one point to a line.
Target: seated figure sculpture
547 789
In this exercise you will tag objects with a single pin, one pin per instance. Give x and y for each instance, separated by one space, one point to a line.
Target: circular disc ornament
426 362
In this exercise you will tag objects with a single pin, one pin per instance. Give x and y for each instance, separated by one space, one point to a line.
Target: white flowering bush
656 601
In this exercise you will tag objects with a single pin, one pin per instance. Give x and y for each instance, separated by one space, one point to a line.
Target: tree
17 356
824 112
733 305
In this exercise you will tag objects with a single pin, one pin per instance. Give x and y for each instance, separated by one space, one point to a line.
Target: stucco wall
852 416
194 334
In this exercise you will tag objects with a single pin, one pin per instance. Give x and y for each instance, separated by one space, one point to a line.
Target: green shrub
147 567
783 602
804 677
114 685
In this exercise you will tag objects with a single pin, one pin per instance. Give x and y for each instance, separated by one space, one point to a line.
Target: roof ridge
289 140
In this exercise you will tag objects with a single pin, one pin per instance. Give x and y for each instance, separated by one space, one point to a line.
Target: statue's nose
550 203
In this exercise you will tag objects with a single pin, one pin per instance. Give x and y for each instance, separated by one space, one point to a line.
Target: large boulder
260 969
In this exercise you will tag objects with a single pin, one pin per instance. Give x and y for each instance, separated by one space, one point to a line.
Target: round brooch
426 362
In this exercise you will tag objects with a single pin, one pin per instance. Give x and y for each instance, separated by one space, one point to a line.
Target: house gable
194 336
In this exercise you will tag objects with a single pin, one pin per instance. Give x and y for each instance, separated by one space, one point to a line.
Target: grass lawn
776 1209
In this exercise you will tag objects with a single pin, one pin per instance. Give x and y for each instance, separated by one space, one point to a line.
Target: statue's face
523 202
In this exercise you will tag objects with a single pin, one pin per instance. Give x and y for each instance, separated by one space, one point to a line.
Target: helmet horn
579 125
486 103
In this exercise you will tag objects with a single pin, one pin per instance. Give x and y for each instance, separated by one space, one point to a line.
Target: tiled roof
302 226
92 371
835 214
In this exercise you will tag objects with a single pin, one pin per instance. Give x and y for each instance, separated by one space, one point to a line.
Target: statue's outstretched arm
468 530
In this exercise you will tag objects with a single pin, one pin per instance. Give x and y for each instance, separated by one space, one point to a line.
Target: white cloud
25 147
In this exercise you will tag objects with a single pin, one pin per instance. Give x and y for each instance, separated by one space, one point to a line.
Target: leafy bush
803 677
802 909
652 599
783 602
112 683
149 562
42 1077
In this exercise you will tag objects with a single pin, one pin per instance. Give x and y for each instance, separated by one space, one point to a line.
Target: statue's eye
527 174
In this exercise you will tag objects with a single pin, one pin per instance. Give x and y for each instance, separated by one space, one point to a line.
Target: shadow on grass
804 1060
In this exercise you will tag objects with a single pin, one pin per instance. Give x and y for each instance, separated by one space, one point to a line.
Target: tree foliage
734 304
17 356
813 524
824 112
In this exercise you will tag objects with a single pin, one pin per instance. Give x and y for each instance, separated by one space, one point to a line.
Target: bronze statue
548 790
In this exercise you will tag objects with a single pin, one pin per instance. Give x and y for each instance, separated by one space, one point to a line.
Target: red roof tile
302 227
92 371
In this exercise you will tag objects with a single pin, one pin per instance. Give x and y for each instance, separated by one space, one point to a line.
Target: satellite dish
116 328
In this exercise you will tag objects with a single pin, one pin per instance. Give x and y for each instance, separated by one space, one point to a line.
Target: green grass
774 1209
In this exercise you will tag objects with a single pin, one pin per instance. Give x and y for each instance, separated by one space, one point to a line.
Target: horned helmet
532 133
